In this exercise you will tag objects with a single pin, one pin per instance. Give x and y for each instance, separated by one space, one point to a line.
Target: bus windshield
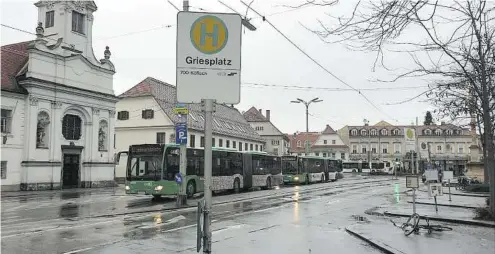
289 167
172 162
144 167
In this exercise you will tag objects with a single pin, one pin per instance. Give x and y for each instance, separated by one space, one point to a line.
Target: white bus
350 167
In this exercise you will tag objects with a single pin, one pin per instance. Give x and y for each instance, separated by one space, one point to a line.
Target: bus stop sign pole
208 108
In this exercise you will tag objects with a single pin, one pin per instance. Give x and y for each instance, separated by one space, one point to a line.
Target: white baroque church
58 104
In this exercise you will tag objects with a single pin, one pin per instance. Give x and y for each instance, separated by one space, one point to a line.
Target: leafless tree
452 44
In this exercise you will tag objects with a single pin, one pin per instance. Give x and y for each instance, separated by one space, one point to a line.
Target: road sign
412 181
181 133
208 57
181 111
435 189
178 178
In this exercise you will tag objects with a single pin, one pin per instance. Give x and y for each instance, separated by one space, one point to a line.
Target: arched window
102 135
384 132
374 132
354 132
363 132
42 130
438 132
449 132
71 127
299 143
427 132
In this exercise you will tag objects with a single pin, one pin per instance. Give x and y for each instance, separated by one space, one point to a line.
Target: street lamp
306 104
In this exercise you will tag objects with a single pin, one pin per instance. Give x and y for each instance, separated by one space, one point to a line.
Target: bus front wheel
190 189
268 183
237 185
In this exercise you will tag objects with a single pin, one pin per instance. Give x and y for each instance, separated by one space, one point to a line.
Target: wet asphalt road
287 220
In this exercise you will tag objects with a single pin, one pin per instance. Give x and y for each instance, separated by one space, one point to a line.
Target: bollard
450 197
436 207
414 200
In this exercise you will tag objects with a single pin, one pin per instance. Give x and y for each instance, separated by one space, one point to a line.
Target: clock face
423 146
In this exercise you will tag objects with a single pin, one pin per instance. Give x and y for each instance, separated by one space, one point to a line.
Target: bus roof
257 152
312 157
202 148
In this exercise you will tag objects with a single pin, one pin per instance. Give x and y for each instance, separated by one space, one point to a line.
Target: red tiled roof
14 57
329 146
143 88
301 136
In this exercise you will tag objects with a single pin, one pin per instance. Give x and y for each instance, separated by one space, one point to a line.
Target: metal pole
396 171
436 207
307 130
181 195
185 5
414 200
450 197
208 108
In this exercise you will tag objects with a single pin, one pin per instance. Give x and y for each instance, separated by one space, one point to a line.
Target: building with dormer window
145 116
445 145
58 104
277 142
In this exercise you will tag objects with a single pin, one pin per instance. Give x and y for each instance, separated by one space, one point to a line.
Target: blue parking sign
181 133
178 178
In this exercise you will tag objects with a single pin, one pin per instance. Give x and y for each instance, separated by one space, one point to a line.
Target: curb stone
457 206
375 243
465 222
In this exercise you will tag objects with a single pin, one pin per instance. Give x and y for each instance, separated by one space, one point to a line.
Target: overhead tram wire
335 89
96 39
315 61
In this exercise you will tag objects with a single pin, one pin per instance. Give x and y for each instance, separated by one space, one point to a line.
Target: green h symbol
213 35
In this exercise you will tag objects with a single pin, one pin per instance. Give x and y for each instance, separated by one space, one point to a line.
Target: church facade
58 104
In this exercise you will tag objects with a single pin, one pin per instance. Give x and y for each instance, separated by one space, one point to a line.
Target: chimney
261 111
267 115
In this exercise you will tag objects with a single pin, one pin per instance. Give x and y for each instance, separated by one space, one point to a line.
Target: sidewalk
385 236
459 210
455 192
456 200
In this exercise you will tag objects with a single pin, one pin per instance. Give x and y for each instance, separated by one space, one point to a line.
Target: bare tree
453 45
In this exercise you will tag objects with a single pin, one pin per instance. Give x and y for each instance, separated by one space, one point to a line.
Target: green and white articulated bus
309 169
151 170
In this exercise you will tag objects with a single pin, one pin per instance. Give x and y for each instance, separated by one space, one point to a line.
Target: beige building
445 145
275 141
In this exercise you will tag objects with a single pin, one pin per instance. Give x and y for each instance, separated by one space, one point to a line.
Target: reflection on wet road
110 222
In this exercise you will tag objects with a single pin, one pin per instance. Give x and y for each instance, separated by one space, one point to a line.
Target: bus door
247 170
120 168
327 166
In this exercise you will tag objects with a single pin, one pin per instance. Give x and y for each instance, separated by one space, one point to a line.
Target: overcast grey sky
140 48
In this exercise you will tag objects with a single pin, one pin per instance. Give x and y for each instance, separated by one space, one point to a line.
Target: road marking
93 247
40 230
238 226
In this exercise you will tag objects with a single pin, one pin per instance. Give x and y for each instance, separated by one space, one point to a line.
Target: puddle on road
69 210
69 195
